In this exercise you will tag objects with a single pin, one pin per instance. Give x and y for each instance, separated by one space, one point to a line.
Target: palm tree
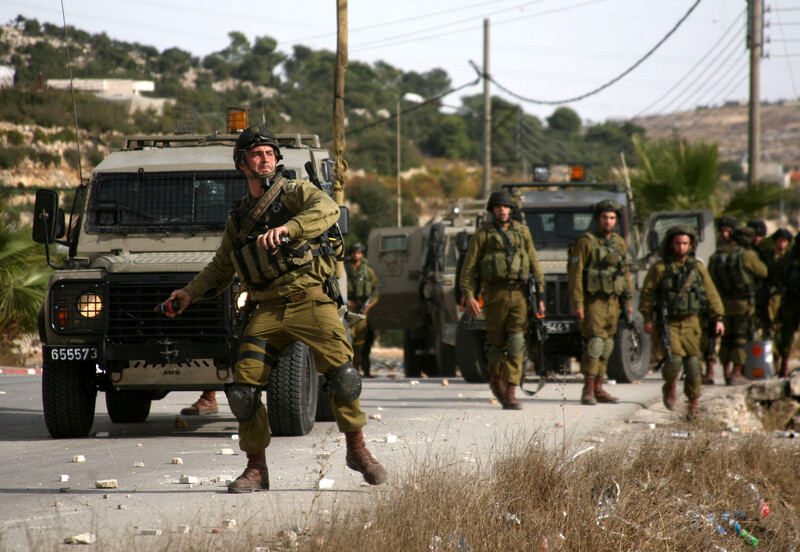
23 276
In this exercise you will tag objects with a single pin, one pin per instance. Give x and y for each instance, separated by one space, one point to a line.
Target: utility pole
339 140
754 42
487 115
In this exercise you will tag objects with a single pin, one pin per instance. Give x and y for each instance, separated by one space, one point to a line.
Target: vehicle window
450 259
662 224
557 228
175 201
394 243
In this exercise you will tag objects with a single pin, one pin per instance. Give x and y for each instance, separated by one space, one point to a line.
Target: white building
117 90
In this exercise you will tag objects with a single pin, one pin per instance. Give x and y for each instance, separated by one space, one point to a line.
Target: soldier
362 294
789 311
725 227
735 270
276 240
676 290
501 255
598 277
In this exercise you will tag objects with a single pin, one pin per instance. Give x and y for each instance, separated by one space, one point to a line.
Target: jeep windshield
180 201
559 228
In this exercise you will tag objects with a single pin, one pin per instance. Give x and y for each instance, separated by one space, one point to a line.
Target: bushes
11 158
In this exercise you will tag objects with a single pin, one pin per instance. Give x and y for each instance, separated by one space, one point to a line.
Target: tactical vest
358 281
501 263
259 268
604 271
733 281
683 297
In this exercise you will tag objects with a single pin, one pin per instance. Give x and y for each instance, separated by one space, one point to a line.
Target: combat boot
255 476
361 460
708 379
587 395
206 404
511 402
668 392
694 408
736 376
498 387
600 395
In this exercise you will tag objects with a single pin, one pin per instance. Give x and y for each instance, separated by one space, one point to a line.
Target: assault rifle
537 333
661 319
365 305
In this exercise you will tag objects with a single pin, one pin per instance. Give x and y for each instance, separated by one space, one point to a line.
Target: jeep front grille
558 302
131 317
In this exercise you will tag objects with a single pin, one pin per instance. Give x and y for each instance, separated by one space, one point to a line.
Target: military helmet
606 205
358 246
730 222
743 236
782 233
679 230
758 226
253 137
500 198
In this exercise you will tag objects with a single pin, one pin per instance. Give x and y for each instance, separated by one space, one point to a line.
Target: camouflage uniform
598 276
735 271
361 282
688 292
502 272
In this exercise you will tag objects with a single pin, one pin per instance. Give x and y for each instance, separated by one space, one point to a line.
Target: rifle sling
252 216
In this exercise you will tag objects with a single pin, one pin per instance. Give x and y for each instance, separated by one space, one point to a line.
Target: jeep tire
630 360
128 407
68 397
292 392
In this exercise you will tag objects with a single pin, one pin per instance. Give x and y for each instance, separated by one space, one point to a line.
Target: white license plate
554 326
73 353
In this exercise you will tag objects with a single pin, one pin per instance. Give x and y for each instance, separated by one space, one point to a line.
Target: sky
539 51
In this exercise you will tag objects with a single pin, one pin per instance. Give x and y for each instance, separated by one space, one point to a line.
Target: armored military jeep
149 218
425 303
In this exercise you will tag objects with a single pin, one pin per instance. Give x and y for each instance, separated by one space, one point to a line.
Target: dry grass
643 493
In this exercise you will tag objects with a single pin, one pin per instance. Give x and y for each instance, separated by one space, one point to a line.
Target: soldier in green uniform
501 256
789 311
276 240
681 285
735 270
777 265
725 227
362 294
598 277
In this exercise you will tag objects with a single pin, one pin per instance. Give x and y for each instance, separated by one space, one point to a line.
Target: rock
83 538
177 460
228 523
189 480
63 478
106 484
770 390
79 458
227 452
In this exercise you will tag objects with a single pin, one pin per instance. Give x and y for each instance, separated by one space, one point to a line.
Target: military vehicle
149 218
424 302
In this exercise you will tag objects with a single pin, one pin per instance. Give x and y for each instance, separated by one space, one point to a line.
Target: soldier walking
676 290
362 294
598 277
501 256
789 311
735 270
276 240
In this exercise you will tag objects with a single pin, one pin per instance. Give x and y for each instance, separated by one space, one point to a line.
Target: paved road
432 421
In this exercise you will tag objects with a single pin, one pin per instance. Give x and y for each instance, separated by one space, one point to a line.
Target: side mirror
652 241
48 219
344 220
328 170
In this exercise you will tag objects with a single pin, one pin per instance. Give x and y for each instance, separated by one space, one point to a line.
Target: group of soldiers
747 292
277 241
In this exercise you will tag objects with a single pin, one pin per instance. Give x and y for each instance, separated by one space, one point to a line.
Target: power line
609 83
785 49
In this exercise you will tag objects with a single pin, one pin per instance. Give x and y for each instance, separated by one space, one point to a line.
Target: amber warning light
238 119
576 173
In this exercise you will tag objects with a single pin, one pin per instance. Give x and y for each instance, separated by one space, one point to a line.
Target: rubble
79 458
83 538
106 484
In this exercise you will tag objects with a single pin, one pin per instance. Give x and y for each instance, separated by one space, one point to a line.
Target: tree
564 120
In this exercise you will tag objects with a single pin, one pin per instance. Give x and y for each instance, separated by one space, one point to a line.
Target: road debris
79 458
177 460
106 484
83 538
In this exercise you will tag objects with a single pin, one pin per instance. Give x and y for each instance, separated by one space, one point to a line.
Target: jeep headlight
89 304
241 300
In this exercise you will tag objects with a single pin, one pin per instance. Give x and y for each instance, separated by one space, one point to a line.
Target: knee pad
595 346
494 355
243 399
692 369
608 348
671 370
515 345
345 383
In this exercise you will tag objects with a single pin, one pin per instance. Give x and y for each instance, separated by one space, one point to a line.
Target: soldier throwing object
598 276
362 294
680 285
501 254
285 281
